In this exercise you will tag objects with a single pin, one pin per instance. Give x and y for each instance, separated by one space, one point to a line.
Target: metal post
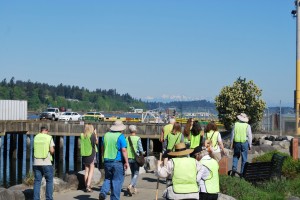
280 119
297 3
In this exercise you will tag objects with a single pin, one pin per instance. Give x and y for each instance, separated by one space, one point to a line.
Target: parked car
70 116
50 113
93 116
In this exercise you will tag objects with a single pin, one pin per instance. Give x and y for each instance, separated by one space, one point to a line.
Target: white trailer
13 110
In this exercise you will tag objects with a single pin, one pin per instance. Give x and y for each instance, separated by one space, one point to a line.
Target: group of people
192 150
198 153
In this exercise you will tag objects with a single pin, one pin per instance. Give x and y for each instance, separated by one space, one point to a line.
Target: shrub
290 168
29 179
243 190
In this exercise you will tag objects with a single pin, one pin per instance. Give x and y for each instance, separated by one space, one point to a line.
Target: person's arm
140 147
161 139
122 144
164 171
52 145
221 145
249 135
125 157
96 136
231 139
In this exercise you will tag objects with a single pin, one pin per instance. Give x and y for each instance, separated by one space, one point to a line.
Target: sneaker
129 188
89 189
101 197
134 191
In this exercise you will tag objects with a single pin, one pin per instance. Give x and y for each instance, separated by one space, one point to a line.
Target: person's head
199 152
132 128
211 126
187 128
88 129
176 128
243 117
172 121
44 129
196 128
118 126
180 151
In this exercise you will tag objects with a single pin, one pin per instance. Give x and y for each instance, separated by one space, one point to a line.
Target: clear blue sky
152 48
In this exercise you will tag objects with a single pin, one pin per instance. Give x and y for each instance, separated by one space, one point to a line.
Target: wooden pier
144 130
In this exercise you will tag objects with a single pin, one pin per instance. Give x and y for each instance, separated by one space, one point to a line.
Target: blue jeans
240 148
135 168
114 178
39 172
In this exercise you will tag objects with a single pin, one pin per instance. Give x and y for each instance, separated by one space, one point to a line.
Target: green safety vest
184 182
86 145
173 140
41 146
167 129
134 140
186 140
213 136
195 141
212 183
240 132
110 145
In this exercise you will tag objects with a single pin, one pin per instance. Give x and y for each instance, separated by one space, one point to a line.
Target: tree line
41 95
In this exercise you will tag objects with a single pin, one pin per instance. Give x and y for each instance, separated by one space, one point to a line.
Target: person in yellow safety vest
182 173
134 167
187 132
212 134
164 133
196 135
241 141
115 161
173 138
88 150
209 184
43 149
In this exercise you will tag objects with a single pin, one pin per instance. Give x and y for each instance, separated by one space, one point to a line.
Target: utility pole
297 92
280 119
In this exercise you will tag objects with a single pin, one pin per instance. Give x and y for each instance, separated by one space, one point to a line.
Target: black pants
206 196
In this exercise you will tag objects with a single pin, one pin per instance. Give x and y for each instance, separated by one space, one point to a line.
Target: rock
23 190
59 185
275 143
281 138
289 138
261 141
71 180
268 142
8 194
266 148
225 197
285 144
141 171
150 164
95 180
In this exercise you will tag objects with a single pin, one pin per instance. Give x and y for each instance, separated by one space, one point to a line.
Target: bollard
294 145
223 165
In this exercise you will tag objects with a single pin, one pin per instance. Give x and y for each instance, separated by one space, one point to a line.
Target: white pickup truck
50 113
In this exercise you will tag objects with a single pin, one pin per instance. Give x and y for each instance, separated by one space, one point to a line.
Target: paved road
146 190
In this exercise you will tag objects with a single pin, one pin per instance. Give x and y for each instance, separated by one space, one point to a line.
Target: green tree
243 97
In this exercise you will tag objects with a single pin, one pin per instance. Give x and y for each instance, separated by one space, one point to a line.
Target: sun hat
118 126
132 128
180 150
243 117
